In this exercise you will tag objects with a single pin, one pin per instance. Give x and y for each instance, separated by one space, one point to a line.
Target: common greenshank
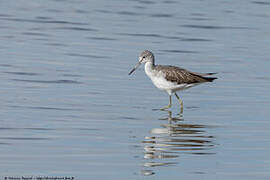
170 78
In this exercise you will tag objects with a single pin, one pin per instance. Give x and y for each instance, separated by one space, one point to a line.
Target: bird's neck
149 68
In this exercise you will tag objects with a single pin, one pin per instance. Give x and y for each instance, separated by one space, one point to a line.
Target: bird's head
145 56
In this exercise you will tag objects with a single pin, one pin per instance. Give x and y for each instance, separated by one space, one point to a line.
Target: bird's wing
203 74
182 76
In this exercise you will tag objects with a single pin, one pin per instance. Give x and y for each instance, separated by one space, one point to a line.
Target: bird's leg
180 101
169 105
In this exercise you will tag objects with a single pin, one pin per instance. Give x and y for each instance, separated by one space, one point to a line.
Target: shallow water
68 107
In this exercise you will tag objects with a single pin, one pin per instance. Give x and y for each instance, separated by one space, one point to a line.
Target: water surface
68 107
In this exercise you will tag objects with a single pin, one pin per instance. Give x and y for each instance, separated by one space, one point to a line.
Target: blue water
69 109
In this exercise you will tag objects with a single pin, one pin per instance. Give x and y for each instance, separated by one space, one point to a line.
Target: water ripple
169 2
49 82
6 65
214 27
128 13
165 37
86 55
261 2
43 21
24 138
145 1
36 34
179 51
57 44
76 28
5 15
104 11
162 15
141 35
1 143
46 108
40 129
4 128
128 118
196 39
102 38
22 73
43 129
71 75
52 108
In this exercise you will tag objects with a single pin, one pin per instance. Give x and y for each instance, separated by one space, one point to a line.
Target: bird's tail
203 76
209 79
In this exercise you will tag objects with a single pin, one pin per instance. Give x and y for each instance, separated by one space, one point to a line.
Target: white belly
161 83
158 79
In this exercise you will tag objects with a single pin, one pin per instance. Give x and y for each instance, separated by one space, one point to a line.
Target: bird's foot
180 114
166 107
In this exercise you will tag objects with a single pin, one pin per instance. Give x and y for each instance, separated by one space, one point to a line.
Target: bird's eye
143 57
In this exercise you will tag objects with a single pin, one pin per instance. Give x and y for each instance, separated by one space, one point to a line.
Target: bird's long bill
137 65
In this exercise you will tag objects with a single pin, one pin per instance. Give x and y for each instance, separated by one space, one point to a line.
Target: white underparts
158 79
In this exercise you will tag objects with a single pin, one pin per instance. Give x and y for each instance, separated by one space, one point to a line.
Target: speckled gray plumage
183 76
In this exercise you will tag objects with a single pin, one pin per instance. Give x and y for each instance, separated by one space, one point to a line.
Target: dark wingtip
210 79
211 73
204 76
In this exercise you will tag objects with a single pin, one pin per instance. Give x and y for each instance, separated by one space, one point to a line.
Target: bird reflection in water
175 137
